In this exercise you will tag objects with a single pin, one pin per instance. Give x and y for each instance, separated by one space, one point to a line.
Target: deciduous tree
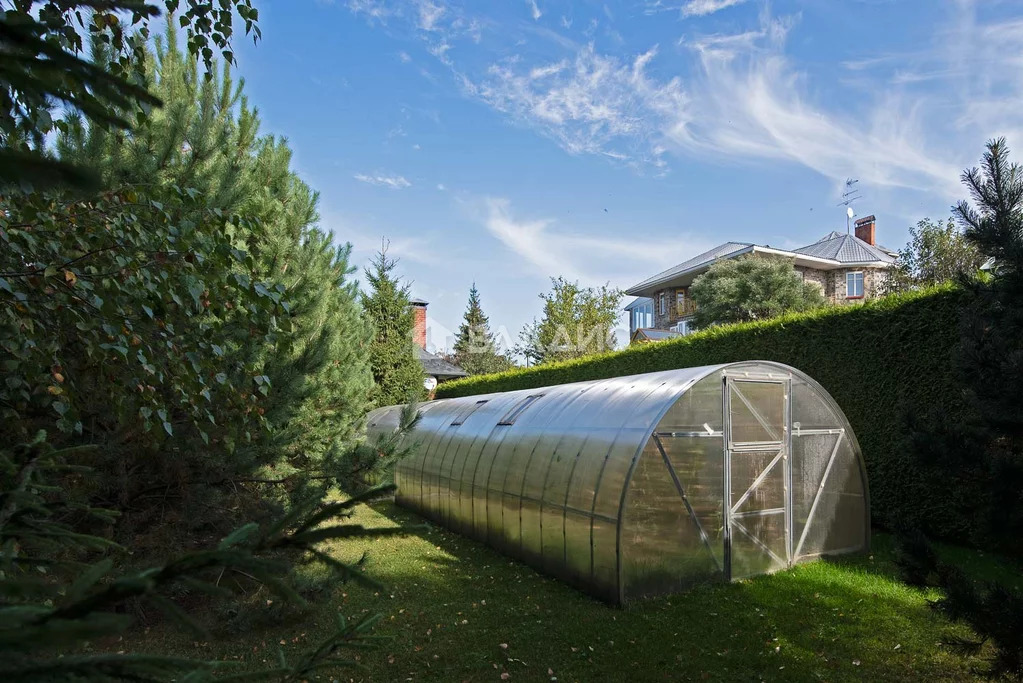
937 252
577 321
742 290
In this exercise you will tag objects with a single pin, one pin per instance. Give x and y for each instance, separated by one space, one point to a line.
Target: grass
456 610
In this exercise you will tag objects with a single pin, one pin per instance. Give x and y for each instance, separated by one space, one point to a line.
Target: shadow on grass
841 619
457 610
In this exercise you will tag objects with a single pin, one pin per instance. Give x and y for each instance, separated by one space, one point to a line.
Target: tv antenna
850 195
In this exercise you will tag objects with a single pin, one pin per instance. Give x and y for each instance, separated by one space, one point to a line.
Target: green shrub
884 362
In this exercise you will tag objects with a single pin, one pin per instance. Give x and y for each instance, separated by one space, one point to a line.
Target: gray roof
418 302
639 301
656 335
436 366
720 251
835 246
844 249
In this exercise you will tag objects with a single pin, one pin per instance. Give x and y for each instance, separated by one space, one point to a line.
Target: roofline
646 284
867 264
651 285
637 300
796 254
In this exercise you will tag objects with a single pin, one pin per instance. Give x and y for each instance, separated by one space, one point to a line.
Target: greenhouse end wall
638 486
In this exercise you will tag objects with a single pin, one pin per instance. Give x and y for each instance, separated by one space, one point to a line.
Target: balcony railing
685 307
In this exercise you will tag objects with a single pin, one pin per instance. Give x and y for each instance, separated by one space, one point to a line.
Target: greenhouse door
757 502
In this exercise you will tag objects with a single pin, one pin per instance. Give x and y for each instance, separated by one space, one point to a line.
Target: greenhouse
638 486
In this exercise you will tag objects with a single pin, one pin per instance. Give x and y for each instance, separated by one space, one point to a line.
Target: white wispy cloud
378 10
429 14
590 102
700 8
976 66
367 241
909 120
395 182
534 9
691 8
548 251
749 102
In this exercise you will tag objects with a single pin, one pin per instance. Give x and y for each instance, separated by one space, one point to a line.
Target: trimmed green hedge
882 361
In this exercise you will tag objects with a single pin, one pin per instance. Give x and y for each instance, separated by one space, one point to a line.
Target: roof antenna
851 194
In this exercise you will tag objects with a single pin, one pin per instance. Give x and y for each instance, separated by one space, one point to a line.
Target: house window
680 301
663 299
682 327
854 285
642 316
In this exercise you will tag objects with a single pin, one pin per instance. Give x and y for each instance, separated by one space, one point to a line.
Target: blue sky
507 142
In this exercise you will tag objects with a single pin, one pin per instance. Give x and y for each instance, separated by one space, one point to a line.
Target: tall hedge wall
881 361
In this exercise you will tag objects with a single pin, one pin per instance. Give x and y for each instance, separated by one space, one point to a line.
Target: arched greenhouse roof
640 485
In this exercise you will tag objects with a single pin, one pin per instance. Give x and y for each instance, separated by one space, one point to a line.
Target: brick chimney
419 322
866 229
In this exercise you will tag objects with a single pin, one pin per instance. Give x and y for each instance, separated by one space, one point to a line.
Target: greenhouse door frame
781 446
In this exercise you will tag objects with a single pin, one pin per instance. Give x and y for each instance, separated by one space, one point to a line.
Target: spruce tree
397 372
476 347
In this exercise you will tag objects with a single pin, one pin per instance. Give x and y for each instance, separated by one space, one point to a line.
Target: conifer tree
476 347
315 378
397 372
985 444
45 71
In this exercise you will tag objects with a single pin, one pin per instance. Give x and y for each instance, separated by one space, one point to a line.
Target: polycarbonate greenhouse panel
639 486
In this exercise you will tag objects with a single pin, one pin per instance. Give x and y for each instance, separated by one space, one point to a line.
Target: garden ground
455 610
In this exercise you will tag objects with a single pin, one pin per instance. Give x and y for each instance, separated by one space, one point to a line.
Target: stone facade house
848 268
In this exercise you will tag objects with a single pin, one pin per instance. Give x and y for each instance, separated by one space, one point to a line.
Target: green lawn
459 611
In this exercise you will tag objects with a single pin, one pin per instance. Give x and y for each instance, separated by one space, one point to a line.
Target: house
435 368
848 268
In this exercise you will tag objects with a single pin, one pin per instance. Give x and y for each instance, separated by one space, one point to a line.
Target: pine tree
44 72
397 372
86 594
204 137
476 346
987 443
315 377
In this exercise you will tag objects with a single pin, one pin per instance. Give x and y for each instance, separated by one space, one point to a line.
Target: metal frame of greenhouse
637 486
